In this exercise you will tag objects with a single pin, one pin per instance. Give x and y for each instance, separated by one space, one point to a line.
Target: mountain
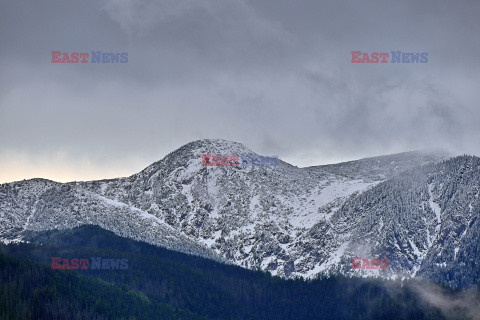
417 209
424 221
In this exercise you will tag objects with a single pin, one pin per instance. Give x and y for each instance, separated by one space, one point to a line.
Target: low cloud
463 304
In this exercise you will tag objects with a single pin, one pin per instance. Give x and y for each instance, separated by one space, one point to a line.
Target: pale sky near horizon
274 75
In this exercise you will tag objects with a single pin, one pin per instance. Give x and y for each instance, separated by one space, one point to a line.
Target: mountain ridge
276 219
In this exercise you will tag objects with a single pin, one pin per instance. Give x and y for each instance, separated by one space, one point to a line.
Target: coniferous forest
163 284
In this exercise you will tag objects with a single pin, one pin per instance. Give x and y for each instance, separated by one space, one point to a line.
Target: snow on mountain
424 221
287 220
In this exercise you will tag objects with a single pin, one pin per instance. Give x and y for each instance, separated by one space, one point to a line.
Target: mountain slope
424 221
287 220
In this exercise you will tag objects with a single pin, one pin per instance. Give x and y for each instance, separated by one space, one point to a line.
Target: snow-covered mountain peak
290 221
189 155
218 147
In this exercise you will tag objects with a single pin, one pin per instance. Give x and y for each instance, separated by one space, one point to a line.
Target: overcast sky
274 75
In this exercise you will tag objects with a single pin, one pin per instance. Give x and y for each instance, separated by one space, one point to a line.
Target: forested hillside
163 284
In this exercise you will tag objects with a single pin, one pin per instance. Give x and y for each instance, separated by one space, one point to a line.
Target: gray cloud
464 304
275 75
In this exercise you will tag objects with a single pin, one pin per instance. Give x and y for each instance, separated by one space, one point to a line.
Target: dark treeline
163 284
33 291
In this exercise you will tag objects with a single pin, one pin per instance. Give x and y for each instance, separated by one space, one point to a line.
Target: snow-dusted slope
44 205
288 220
425 221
